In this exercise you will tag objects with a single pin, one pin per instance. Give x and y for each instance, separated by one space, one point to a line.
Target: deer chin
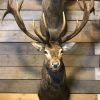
55 69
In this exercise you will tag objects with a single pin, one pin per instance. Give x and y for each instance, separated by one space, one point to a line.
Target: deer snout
55 65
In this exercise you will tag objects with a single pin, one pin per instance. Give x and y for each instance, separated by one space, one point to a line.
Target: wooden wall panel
16 96
36 5
85 87
21 60
87 37
18 36
83 61
83 97
33 4
97 48
27 48
31 86
19 86
11 33
9 25
72 5
79 73
21 63
19 48
10 96
37 60
71 26
20 72
70 15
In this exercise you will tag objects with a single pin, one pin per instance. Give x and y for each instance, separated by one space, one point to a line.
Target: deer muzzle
55 66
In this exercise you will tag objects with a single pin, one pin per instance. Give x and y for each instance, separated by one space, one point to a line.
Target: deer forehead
54 49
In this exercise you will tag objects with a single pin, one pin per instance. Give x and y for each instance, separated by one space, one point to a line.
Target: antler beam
16 13
88 8
62 37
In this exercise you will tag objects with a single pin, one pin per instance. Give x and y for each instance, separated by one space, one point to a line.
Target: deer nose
56 65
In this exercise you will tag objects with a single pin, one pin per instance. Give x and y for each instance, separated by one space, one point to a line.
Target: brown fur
53 84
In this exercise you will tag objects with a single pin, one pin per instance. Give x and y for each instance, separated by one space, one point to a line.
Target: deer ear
38 46
67 46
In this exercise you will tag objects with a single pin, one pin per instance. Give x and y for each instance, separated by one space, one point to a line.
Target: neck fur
54 77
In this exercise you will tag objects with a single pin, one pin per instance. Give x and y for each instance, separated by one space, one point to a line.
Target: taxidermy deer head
53 49
53 85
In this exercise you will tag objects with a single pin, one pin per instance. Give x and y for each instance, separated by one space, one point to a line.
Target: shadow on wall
39 2
69 3
95 36
1 1
92 35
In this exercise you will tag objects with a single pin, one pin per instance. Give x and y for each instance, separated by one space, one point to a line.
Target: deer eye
61 51
45 52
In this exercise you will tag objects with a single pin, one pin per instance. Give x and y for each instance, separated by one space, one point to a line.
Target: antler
62 29
87 10
47 35
45 39
46 28
16 13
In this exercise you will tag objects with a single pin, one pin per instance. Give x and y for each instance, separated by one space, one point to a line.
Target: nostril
55 66
52 64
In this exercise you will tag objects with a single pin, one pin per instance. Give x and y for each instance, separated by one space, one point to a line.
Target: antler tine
91 6
63 25
46 28
37 33
77 24
20 5
16 13
87 11
62 30
9 6
80 5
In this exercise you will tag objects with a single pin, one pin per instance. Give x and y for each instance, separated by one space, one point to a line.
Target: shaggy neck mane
53 79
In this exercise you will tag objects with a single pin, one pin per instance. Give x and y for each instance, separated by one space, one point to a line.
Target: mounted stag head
53 73
53 49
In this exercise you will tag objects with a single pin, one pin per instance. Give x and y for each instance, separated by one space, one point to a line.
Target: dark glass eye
45 52
61 51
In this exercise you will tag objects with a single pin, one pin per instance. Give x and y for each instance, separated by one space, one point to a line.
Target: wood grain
11 33
79 73
37 60
36 15
31 86
83 61
21 60
97 48
91 26
83 97
14 96
27 48
19 86
36 5
18 36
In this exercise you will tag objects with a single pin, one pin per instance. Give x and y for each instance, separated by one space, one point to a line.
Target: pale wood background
20 63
